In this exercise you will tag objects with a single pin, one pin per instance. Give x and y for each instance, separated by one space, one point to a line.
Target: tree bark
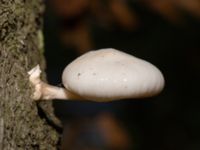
22 127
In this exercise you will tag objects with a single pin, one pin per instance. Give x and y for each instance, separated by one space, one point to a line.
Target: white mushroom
102 75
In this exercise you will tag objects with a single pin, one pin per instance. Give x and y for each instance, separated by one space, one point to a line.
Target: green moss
21 48
40 41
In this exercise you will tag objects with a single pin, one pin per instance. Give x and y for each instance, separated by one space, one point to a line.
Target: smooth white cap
109 74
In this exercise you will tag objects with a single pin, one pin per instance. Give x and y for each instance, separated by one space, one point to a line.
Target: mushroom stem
45 91
52 92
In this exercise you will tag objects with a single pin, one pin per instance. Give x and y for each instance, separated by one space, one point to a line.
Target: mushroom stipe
102 75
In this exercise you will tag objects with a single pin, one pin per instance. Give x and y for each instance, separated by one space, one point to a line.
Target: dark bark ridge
21 128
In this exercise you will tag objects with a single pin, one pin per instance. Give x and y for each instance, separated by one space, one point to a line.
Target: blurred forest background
164 32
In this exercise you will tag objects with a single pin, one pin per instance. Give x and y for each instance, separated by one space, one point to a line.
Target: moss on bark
21 128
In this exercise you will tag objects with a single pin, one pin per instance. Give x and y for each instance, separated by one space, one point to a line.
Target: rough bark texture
21 46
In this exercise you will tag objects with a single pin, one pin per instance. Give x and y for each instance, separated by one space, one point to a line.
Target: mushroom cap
109 74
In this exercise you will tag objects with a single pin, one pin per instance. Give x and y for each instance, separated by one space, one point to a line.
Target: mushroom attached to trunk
102 75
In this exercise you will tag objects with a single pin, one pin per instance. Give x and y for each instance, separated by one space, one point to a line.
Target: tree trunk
21 48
